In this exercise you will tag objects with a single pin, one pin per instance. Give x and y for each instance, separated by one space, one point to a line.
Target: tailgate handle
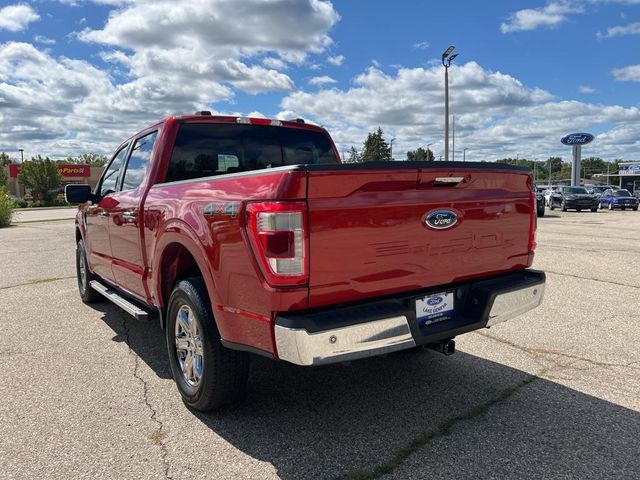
447 181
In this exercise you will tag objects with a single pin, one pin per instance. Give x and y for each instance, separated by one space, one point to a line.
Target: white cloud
16 18
157 58
275 63
496 115
44 40
336 60
324 79
421 45
586 89
551 15
198 40
630 73
631 29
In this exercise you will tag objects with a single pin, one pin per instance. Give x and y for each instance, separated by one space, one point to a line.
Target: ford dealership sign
577 139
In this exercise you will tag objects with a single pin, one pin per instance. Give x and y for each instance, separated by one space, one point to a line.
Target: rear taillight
533 223
279 238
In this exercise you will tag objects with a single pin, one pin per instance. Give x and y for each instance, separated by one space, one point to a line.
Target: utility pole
447 58
464 154
21 150
391 147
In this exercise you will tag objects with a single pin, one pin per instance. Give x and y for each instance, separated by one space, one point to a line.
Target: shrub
6 209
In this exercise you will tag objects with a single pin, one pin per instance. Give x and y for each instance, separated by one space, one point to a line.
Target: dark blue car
618 199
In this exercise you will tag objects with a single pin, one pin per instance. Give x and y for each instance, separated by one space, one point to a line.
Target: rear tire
600 205
635 209
541 213
208 375
611 206
87 294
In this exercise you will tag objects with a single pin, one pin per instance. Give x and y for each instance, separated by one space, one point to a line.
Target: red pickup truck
248 236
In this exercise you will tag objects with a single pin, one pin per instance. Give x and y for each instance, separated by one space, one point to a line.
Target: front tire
563 206
84 275
207 374
611 206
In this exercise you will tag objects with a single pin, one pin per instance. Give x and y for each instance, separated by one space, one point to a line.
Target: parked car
548 192
619 198
575 198
248 236
596 190
539 203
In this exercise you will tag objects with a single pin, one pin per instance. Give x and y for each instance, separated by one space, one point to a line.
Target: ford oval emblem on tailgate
441 219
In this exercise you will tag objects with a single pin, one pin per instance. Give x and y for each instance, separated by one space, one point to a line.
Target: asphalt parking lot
87 393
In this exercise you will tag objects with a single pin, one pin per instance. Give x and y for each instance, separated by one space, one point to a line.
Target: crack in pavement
158 436
447 427
36 282
442 430
592 279
539 352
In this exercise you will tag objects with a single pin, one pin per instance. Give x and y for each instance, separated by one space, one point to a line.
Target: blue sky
82 75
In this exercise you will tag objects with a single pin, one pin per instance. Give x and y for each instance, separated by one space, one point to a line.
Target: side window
112 174
139 161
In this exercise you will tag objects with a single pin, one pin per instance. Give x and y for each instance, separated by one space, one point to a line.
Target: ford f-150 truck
248 236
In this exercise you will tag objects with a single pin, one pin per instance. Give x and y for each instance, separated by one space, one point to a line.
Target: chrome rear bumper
343 344
379 327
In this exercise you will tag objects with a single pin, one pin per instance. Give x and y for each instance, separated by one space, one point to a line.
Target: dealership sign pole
576 140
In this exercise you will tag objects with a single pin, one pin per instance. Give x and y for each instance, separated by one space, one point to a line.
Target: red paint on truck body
366 229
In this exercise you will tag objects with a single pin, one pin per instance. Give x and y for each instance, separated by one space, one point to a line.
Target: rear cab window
210 149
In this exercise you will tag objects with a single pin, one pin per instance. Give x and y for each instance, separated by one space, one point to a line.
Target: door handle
130 216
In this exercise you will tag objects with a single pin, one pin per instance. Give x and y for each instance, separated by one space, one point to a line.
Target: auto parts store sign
64 169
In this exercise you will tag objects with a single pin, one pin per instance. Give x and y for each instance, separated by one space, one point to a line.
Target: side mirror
77 193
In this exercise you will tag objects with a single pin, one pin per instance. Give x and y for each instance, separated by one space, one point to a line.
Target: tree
93 159
375 148
354 156
420 154
4 159
4 178
593 165
40 175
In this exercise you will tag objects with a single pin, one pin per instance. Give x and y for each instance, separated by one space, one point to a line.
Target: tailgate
369 236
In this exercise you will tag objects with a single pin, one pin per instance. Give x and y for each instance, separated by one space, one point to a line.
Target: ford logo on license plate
441 219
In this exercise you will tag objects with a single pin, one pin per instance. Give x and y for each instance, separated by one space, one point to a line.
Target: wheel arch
180 256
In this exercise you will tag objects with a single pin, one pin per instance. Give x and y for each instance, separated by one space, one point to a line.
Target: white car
547 194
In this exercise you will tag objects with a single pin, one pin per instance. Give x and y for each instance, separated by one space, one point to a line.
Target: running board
120 301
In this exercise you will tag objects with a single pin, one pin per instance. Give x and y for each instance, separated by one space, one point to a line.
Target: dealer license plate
433 309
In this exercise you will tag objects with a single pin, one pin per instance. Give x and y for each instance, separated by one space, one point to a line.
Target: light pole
21 150
391 147
447 58
464 154
428 151
453 146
